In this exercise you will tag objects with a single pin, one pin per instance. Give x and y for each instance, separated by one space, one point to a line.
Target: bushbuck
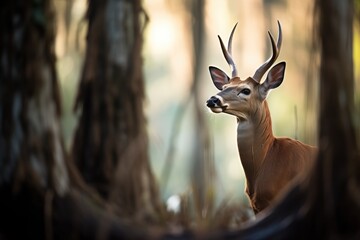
269 163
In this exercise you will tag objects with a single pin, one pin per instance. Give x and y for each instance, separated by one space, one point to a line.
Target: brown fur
269 163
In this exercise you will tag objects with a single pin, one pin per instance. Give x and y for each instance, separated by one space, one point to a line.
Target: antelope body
269 163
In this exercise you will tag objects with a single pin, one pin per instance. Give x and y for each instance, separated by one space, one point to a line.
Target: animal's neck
254 136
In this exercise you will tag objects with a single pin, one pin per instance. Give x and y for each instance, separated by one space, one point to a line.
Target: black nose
212 102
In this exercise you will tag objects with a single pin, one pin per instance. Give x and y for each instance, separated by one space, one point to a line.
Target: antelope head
242 98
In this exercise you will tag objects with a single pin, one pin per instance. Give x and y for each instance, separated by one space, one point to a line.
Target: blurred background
168 55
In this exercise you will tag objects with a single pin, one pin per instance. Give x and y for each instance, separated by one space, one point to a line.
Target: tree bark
42 194
111 144
339 160
32 157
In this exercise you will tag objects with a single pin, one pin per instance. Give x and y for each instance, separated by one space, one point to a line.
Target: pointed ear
219 77
273 79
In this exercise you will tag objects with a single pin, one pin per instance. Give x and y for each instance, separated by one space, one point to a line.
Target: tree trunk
203 170
339 160
32 157
42 195
111 144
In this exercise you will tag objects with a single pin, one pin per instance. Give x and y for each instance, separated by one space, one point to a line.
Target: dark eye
245 91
